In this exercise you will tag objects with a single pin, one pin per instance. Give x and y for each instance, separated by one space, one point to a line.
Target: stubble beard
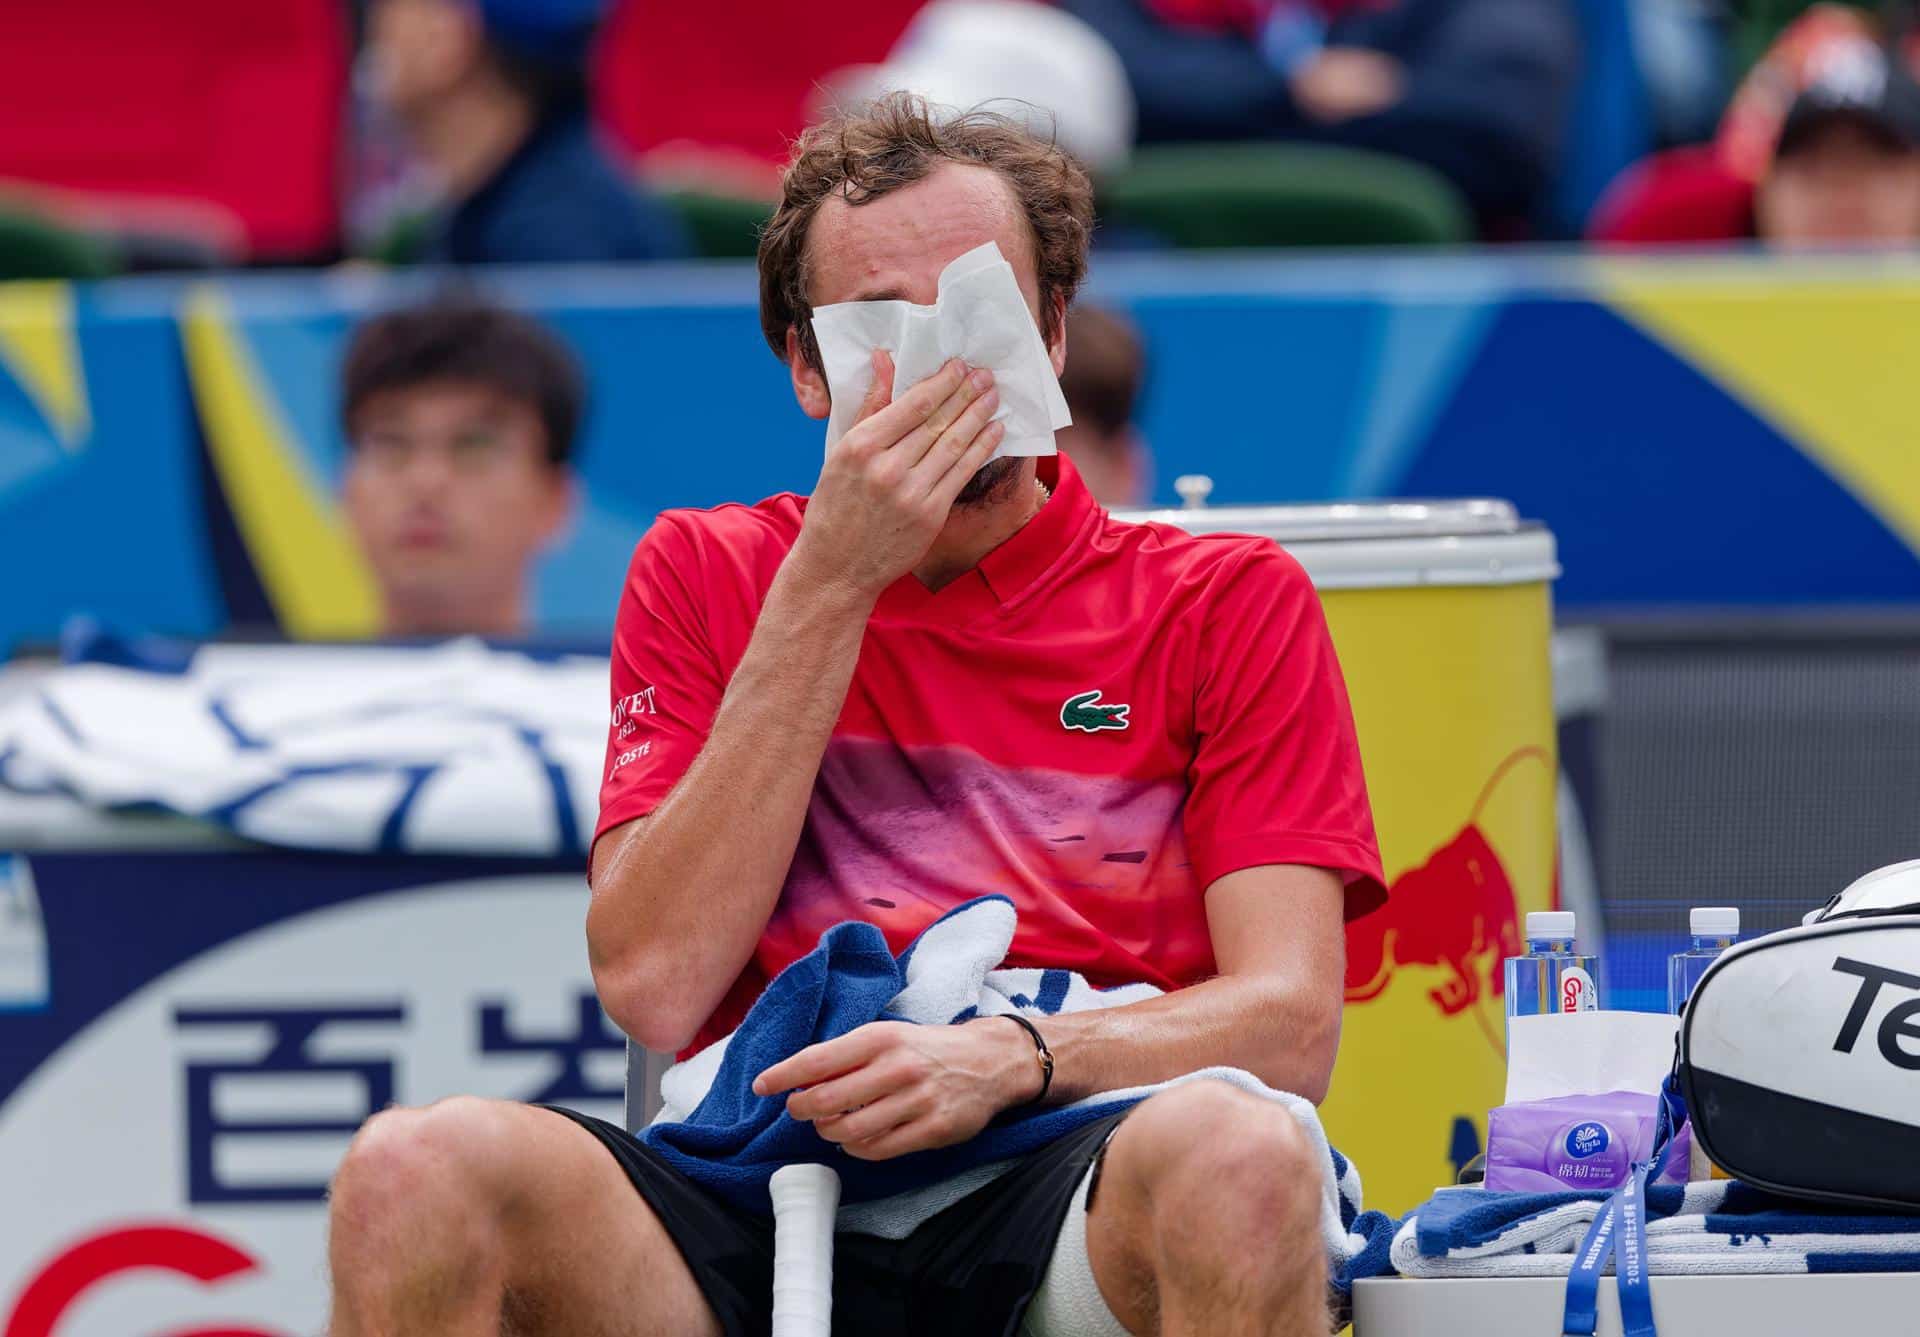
992 483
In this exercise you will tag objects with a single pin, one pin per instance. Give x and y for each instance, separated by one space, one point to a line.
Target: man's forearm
681 897
890 1088
1281 1035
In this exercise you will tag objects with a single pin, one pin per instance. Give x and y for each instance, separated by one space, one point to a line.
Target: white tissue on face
980 318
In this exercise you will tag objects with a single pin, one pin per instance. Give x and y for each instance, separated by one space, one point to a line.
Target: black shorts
969 1271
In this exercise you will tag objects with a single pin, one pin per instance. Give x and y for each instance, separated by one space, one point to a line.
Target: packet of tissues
981 318
1582 1101
1578 1143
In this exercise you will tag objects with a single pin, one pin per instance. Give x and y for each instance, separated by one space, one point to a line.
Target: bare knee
421 1174
1214 1160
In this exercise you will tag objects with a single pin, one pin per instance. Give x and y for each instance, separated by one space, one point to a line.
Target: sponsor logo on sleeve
627 758
629 708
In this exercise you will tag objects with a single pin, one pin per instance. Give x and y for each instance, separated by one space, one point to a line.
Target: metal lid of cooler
1388 544
1344 519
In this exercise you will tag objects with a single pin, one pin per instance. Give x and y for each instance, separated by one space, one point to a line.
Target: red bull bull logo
1457 912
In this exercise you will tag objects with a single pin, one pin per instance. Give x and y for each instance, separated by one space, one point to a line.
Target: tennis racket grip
805 1199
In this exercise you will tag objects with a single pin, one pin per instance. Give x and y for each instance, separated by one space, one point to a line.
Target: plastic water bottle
1714 928
1551 977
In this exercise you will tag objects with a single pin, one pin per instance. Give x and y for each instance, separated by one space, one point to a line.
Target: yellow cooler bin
1442 616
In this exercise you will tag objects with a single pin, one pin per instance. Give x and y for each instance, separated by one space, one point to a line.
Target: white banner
163 1171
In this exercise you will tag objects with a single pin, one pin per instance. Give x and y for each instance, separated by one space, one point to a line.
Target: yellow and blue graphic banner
1711 431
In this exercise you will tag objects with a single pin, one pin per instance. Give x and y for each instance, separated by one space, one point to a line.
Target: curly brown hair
892 142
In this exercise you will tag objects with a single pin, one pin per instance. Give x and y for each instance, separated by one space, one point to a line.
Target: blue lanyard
1620 1227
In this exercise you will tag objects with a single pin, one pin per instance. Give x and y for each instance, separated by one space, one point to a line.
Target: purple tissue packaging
1577 1143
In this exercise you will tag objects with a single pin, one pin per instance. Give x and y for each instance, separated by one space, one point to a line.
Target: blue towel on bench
1719 1226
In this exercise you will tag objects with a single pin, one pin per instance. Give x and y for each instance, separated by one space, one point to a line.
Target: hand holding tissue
979 317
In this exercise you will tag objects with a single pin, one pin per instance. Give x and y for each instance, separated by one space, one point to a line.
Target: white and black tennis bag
1800 1051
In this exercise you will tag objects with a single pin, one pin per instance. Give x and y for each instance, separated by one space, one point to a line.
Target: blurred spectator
1820 43
1476 89
1819 147
1106 367
491 95
1032 62
1846 171
460 420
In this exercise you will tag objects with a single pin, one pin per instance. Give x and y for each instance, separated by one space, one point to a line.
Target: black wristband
1045 1054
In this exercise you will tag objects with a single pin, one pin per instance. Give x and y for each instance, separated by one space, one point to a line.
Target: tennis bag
1800 1051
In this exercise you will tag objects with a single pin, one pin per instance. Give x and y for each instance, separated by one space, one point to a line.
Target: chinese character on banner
571 1083
254 1125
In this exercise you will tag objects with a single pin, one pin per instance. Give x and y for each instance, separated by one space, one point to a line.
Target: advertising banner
1454 705
188 1040
197 424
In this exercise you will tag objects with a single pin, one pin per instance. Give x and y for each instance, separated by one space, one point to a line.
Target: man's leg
472 1218
1206 1221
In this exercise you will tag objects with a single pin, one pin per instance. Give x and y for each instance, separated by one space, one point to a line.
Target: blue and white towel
453 749
1719 1226
723 1136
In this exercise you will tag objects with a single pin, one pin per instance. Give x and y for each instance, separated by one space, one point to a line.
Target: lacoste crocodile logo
1089 714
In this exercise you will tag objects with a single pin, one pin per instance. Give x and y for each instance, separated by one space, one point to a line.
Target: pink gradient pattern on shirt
1096 865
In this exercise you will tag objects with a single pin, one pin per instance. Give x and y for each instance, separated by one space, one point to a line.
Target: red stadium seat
148 114
1682 195
731 79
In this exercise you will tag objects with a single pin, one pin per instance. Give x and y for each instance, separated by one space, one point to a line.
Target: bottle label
1577 993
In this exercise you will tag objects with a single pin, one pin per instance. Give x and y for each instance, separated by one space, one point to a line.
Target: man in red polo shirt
940 675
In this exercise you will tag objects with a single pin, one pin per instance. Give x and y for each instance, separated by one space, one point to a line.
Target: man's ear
809 386
1057 345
